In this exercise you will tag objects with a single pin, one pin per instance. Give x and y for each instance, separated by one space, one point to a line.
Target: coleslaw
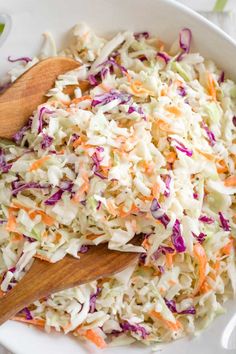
140 138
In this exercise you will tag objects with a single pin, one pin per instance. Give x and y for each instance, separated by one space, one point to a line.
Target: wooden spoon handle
19 101
45 278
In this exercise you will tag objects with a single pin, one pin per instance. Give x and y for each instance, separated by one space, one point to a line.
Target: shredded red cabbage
27 312
4 166
99 205
139 35
46 141
92 80
128 327
224 222
84 249
177 238
18 136
111 96
181 91
200 238
18 186
171 304
25 59
185 37
93 299
162 250
139 110
195 195
112 63
42 111
164 56
159 214
234 120
167 180
210 134
181 147
142 58
206 219
2 221
30 239
142 258
221 78
53 199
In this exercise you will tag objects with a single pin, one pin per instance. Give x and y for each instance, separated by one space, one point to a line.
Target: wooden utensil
45 278
16 105
26 93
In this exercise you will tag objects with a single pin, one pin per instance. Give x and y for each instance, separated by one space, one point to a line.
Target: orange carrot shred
92 336
201 257
211 86
226 250
36 321
38 163
174 326
230 181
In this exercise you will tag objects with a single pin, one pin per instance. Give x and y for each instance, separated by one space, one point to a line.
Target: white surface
29 21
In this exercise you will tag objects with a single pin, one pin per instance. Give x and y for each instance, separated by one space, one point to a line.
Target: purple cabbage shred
25 59
200 238
210 134
177 238
234 120
181 147
84 249
185 37
46 141
18 136
139 35
159 214
18 186
224 222
93 299
162 250
42 111
128 327
164 56
171 304
206 219
108 97
53 199
4 166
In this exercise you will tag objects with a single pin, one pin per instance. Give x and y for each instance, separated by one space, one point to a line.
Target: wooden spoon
45 278
26 93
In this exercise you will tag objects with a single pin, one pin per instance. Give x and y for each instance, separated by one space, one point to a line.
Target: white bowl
164 18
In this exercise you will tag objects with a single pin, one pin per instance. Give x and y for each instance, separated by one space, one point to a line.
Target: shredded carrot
46 219
147 166
226 250
169 259
201 257
84 188
205 288
1 293
206 155
42 258
58 237
11 223
172 282
174 110
81 99
16 237
156 190
145 244
221 166
211 86
92 336
38 163
171 157
230 181
174 326
77 142
137 88
93 236
128 77
36 321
